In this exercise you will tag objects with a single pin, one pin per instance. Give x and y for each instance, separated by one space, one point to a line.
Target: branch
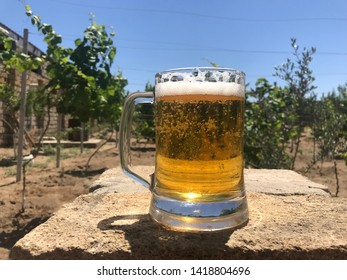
96 150
14 130
48 118
8 124
35 153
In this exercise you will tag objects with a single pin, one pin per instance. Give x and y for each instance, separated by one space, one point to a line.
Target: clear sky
153 35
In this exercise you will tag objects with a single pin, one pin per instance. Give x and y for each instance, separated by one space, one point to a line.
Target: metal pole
22 112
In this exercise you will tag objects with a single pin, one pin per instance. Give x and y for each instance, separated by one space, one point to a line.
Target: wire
226 50
193 48
181 13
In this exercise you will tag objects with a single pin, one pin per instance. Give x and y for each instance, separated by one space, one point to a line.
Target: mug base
197 216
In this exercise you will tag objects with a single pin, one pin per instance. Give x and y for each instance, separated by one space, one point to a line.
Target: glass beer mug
198 182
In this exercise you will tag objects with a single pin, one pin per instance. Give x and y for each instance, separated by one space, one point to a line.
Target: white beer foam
170 88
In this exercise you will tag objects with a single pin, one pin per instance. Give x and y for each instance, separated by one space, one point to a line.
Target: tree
144 118
329 129
81 83
266 126
299 78
81 78
13 59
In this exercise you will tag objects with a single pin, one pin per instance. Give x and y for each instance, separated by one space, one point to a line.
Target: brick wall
33 125
12 78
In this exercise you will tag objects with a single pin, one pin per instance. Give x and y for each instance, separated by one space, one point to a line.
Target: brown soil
48 187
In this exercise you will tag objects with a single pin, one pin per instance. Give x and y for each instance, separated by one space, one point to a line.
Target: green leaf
37 61
35 20
24 56
78 42
8 44
57 39
112 54
46 28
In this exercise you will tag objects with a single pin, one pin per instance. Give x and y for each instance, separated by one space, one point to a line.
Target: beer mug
198 182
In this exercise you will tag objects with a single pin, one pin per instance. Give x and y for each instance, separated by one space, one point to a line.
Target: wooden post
22 112
82 138
58 148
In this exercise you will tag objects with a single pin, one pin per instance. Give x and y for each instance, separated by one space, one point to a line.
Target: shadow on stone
83 173
163 243
8 239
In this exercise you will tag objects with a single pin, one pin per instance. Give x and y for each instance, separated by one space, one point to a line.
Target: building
12 78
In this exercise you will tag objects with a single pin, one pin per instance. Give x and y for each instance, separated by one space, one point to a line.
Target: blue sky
153 35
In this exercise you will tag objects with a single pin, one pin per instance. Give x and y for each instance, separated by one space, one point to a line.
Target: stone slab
269 181
117 226
115 181
282 182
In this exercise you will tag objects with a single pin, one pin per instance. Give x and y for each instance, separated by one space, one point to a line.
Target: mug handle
130 102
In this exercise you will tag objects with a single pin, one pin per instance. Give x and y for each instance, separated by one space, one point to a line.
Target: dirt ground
48 187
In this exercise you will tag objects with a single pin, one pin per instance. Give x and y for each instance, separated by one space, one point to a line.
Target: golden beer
198 180
199 142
